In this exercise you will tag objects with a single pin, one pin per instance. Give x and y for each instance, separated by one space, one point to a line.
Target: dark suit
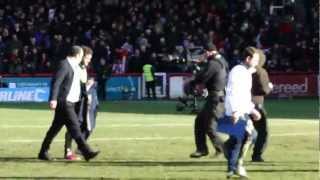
80 109
65 113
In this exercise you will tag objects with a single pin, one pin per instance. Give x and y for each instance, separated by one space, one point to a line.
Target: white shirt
74 93
238 91
83 75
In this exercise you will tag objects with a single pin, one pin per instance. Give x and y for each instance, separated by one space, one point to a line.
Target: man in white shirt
238 106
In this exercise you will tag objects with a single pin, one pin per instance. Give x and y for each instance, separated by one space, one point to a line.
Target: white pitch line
143 138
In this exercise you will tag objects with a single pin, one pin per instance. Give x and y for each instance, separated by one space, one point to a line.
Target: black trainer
44 156
91 155
257 159
198 154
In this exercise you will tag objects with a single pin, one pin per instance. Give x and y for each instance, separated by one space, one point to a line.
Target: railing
132 87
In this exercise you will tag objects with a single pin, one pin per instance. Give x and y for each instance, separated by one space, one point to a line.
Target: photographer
213 76
192 93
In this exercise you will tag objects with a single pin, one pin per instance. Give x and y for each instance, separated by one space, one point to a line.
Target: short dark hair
248 52
74 51
86 50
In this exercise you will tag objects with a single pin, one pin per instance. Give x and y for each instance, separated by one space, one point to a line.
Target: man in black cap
214 77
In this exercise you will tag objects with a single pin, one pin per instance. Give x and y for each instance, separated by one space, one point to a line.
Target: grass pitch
149 140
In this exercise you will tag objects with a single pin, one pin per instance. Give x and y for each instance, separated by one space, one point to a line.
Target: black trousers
206 124
65 114
151 86
101 89
81 111
68 139
261 127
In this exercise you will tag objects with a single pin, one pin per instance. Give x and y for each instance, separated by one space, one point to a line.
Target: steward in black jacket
214 77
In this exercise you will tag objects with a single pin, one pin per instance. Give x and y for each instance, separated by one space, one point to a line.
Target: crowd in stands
35 34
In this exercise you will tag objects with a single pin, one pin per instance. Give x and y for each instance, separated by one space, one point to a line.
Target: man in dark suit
81 106
64 94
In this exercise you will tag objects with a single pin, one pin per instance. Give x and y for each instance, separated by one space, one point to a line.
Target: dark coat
61 82
88 108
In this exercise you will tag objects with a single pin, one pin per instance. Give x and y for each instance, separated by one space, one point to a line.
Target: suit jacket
61 82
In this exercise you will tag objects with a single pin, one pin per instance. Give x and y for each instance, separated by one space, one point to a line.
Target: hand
235 117
53 104
270 85
255 114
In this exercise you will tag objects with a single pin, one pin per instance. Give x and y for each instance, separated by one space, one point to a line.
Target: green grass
149 140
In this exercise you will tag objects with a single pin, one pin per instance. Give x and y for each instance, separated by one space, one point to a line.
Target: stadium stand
35 34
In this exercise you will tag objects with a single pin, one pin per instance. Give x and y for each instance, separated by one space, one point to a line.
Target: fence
132 87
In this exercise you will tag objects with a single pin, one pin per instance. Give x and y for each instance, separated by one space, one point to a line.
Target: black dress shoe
44 156
257 159
198 154
91 155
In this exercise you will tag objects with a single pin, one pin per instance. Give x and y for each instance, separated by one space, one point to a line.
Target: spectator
159 26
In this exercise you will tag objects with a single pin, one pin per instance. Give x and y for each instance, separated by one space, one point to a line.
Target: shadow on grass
283 163
67 177
257 170
129 163
195 162
268 167
155 163
53 177
283 108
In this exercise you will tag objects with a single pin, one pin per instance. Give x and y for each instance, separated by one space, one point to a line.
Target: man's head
262 58
251 57
210 49
76 52
87 55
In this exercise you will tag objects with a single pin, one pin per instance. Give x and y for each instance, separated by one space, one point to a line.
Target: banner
177 82
21 82
124 88
24 94
161 85
288 85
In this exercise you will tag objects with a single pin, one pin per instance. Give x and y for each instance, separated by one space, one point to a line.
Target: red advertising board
300 84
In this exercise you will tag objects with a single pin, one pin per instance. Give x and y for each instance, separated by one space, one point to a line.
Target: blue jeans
237 134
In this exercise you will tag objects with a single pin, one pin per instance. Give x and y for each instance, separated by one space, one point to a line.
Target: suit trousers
65 114
80 108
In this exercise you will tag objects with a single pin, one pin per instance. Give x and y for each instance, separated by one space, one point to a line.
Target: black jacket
214 75
61 82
